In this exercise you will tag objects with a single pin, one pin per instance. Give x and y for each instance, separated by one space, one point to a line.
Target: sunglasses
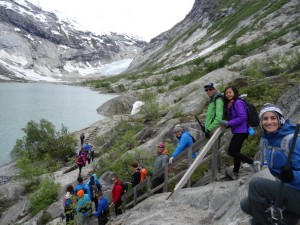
177 131
208 89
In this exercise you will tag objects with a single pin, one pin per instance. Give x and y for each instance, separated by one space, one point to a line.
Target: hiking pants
118 208
80 167
261 193
234 150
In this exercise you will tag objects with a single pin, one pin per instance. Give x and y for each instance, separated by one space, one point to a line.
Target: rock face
38 45
120 105
202 31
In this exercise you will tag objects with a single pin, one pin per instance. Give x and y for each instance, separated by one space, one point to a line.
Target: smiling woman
144 18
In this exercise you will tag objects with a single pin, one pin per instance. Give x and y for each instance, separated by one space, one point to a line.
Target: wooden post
149 187
166 179
214 165
189 181
135 196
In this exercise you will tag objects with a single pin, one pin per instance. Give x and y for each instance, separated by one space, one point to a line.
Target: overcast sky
143 18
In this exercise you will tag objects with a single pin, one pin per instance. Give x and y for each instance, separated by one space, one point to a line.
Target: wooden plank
196 163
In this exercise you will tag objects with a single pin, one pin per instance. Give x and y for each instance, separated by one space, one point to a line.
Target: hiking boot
256 166
232 175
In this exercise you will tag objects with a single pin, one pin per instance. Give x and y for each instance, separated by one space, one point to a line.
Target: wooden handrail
138 193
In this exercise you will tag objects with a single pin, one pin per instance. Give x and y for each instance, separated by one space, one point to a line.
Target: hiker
80 161
92 153
136 175
82 137
262 192
215 109
161 159
237 112
93 191
184 141
82 186
69 203
87 149
97 181
84 205
116 194
102 211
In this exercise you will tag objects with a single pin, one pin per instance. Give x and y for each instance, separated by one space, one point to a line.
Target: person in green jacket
215 109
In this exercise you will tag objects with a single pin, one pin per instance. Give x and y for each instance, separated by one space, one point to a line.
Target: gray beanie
268 107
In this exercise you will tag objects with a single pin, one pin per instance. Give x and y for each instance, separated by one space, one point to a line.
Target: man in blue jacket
102 212
184 141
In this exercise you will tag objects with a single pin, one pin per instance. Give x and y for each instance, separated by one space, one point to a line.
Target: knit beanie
268 107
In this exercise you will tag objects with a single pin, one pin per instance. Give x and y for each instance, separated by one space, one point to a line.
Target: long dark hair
235 96
70 189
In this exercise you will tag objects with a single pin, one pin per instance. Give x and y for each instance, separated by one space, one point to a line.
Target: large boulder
119 105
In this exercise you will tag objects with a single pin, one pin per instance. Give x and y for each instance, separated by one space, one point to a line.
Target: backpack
124 188
253 118
94 190
68 203
80 159
285 143
143 174
194 140
221 96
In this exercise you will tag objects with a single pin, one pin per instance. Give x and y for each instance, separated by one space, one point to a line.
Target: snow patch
136 107
204 52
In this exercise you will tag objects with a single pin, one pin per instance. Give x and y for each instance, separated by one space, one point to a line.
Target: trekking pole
201 125
111 204
275 210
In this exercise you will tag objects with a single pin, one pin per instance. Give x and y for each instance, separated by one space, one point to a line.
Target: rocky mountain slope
212 28
40 46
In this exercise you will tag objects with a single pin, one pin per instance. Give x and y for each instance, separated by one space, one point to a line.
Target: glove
224 123
171 160
207 134
286 174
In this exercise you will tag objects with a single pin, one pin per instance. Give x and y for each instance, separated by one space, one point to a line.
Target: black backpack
221 96
253 118
124 188
194 140
93 190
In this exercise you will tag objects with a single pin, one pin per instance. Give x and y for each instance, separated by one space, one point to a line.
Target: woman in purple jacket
237 114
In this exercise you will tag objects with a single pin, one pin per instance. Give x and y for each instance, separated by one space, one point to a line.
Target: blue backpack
68 203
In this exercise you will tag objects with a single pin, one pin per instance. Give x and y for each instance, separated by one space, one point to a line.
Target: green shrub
151 110
42 149
44 196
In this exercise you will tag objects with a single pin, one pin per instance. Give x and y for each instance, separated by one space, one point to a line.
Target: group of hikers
80 200
268 201
85 155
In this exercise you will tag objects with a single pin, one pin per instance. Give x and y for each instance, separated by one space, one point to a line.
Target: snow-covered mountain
38 45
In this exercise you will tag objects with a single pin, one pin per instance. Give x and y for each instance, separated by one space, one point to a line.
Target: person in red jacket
80 161
117 194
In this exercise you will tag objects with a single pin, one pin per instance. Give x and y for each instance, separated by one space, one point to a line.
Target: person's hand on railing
171 160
